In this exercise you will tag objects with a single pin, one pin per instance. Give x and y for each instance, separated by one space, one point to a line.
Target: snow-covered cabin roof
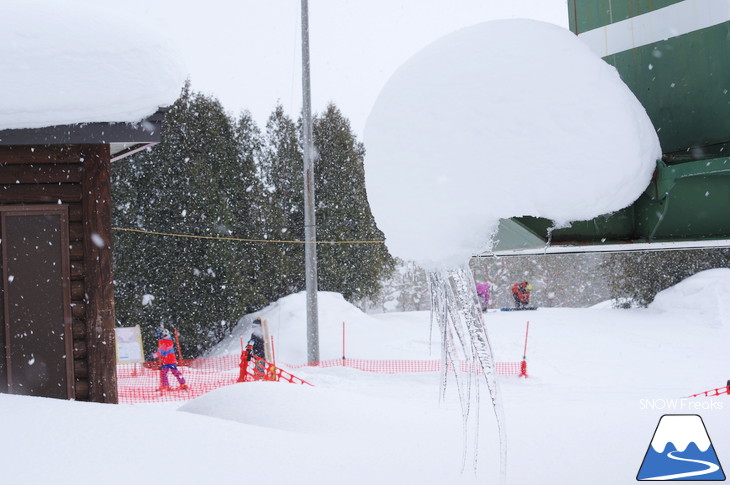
80 72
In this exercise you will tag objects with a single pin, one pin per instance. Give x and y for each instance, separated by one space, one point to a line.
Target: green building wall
683 82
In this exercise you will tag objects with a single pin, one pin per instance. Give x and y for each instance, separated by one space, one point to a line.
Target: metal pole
310 223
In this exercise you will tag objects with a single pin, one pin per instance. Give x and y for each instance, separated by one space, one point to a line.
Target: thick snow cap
502 119
74 62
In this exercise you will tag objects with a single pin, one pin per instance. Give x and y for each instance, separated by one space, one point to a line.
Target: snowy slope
599 381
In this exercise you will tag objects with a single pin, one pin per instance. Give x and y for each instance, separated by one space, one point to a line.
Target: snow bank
501 119
73 62
287 319
287 407
706 295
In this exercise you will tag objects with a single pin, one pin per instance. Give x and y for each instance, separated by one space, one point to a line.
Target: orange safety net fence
138 384
141 383
713 392
411 366
254 368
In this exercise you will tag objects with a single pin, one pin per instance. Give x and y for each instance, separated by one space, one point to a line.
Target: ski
518 309
173 389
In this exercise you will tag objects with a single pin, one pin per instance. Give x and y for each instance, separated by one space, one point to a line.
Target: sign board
129 345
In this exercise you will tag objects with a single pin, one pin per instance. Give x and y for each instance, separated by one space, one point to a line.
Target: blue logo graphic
681 450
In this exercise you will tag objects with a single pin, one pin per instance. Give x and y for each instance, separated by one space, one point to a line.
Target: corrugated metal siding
684 85
591 14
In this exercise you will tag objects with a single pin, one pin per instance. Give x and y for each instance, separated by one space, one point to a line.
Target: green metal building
675 57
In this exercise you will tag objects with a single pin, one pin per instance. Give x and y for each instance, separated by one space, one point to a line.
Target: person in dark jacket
255 347
255 344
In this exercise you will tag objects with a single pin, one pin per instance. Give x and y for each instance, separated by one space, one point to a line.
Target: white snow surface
78 62
505 118
705 295
599 381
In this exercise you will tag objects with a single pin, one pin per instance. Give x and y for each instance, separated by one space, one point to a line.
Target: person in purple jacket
483 292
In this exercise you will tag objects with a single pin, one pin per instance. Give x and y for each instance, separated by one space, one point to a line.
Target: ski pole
273 353
177 340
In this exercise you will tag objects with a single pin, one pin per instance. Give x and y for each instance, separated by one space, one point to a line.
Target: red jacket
166 351
519 290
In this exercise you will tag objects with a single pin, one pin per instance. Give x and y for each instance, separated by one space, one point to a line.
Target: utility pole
310 222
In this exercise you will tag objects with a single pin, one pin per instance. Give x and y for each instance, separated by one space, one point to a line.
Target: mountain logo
680 450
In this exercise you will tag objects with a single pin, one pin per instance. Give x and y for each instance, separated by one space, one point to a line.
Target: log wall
76 175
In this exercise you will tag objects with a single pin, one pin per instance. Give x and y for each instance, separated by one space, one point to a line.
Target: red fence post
343 343
523 367
244 367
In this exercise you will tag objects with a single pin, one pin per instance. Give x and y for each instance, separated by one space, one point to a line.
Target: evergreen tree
281 171
639 276
188 184
343 212
219 179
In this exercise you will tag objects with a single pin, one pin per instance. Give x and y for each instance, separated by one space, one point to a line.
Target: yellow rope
243 239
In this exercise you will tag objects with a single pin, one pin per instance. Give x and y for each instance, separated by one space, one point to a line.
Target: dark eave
124 138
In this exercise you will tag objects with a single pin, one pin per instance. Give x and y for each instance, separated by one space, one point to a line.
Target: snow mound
73 62
502 119
285 406
287 321
705 295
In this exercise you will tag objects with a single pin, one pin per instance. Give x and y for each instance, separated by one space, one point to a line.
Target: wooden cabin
57 305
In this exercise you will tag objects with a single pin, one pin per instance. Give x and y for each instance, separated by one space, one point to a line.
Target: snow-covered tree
236 194
281 169
192 183
354 269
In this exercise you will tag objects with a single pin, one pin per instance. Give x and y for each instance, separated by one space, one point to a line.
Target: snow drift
704 295
505 118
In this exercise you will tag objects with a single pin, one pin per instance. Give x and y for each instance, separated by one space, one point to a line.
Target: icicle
455 307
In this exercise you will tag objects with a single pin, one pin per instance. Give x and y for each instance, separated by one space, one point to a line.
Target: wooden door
37 347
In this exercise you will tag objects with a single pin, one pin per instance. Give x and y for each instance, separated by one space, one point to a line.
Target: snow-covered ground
599 380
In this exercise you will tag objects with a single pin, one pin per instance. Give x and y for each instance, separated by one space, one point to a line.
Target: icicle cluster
455 307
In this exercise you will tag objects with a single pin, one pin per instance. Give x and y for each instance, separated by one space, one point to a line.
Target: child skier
521 294
168 361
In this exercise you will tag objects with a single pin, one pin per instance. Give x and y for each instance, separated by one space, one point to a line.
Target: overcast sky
247 53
